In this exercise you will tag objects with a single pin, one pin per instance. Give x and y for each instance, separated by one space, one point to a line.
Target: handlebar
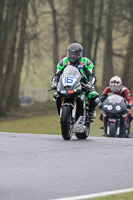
52 89
84 86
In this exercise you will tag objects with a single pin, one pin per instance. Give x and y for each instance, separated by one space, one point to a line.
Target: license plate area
112 120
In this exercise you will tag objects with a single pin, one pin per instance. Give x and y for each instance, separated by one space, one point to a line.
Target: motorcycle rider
116 87
86 67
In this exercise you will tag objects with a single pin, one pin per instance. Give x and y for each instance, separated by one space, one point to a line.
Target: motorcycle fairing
114 104
69 82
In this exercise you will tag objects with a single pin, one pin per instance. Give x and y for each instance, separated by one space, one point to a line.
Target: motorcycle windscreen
115 99
70 75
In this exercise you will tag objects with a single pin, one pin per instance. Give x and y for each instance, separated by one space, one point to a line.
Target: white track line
101 194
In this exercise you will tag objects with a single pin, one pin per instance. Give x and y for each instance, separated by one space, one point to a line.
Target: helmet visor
73 56
115 88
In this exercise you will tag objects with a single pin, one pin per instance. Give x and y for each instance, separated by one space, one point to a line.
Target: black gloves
129 106
100 105
55 82
89 85
54 86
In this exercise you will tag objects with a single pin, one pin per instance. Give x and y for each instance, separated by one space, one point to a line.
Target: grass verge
47 124
125 196
40 119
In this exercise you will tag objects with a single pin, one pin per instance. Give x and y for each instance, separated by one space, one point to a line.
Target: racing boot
92 105
129 135
92 114
100 117
103 134
129 126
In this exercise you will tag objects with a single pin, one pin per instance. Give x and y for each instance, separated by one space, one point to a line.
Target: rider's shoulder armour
123 89
61 62
88 62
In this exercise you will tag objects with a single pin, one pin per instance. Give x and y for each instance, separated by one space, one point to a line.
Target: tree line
99 25
108 21
13 17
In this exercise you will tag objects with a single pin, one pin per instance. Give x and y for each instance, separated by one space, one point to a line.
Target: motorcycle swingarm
79 126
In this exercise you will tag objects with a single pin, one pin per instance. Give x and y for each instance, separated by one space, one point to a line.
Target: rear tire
85 134
66 123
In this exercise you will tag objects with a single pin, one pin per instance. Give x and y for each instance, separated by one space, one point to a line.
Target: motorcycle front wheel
66 123
111 130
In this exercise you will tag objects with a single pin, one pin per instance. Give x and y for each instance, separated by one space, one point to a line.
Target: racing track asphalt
45 167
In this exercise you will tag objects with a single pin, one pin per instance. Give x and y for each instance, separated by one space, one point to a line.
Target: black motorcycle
72 104
115 117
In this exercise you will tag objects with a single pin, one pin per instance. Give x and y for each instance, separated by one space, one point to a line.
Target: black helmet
74 52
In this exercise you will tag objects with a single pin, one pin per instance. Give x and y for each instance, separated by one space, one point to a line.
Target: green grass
41 125
47 124
125 196
41 119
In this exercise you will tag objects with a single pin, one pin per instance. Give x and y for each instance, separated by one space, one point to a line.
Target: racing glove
54 86
100 105
89 85
55 80
129 106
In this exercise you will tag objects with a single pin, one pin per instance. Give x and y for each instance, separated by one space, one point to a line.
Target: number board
69 80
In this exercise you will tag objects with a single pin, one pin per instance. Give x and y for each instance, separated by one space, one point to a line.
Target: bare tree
13 98
56 41
128 62
13 32
87 26
108 52
98 30
72 12
10 56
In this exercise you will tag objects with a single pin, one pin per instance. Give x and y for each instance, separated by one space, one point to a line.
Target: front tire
112 129
66 123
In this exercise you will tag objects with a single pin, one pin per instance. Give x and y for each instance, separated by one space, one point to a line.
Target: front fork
117 122
84 107
118 127
68 104
74 109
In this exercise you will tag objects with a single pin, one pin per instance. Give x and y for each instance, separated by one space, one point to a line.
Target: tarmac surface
45 167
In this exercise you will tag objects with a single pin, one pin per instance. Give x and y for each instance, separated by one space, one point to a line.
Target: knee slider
94 100
97 100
